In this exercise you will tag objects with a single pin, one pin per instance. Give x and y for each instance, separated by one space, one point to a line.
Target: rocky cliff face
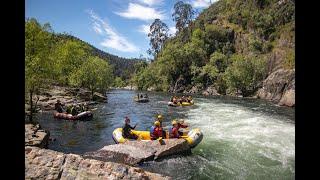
48 164
279 87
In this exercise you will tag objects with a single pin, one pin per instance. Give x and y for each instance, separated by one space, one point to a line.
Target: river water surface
243 138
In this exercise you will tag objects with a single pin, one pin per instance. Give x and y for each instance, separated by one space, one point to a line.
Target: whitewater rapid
243 141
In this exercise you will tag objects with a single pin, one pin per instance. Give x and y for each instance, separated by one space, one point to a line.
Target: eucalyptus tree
158 35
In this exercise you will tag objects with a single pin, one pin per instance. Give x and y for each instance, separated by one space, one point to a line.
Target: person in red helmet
174 131
156 131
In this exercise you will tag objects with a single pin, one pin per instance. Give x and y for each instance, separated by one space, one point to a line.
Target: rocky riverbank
35 136
278 87
49 164
46 99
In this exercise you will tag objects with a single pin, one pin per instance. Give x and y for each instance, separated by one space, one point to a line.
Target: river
243 138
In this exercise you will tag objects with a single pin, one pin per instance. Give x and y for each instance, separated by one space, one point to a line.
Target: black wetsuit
58 107
126 132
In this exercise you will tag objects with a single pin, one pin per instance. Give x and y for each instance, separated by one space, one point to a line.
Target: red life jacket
157 132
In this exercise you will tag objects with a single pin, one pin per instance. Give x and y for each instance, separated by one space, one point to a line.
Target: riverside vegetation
234 47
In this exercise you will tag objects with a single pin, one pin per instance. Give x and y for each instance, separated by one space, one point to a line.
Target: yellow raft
181 104
193 137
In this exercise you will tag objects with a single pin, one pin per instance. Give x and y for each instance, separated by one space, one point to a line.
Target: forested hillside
123 67
232 47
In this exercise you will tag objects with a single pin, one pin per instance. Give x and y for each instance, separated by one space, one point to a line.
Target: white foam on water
255 138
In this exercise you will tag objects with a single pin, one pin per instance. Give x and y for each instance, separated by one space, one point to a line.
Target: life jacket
174 132
151 130
157 132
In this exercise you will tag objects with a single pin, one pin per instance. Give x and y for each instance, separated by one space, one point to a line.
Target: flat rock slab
49 164
135 152
122 153
169 147
34 136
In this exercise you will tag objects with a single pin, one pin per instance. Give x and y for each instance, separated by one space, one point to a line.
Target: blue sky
119 27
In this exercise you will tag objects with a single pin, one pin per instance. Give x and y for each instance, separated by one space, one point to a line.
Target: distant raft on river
141 99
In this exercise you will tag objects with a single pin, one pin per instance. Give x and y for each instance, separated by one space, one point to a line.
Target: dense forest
232 46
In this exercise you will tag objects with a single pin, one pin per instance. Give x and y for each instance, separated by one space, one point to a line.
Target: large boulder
279 87
34 136
122 153
48 164
168 147
194 89
43 163
210 91
135 152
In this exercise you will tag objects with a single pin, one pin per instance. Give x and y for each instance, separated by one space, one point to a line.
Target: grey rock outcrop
134 152
210 91
279 87
122 153
49 164
35 136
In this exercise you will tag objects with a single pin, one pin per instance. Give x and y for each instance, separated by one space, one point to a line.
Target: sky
119 27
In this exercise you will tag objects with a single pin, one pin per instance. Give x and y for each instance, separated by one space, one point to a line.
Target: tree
38 66
245 74
158 35
94 74
69 56
182 14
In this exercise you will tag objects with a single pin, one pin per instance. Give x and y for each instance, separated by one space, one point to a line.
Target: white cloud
137 11
202 3
97 28
112 38
145 29
172 31
151 2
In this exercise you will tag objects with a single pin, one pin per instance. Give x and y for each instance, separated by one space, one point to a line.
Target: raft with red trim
83 116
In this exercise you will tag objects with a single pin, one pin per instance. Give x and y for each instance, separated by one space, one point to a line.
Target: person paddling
126 130
58 107
174 131
156 131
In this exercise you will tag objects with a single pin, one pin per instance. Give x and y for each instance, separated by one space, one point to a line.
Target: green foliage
94 74
118 82
245 74
289 62
225 46
69 56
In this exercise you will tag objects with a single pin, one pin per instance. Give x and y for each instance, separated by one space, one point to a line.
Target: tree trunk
92 92
31 106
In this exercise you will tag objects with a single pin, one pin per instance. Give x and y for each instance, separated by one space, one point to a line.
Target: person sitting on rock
141 96
156 131
126 130
58 107
174 131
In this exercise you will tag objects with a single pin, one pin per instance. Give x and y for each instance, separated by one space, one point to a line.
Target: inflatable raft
141 100
87 115
193 137
181 104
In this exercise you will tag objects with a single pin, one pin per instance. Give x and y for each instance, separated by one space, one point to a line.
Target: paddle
160 140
